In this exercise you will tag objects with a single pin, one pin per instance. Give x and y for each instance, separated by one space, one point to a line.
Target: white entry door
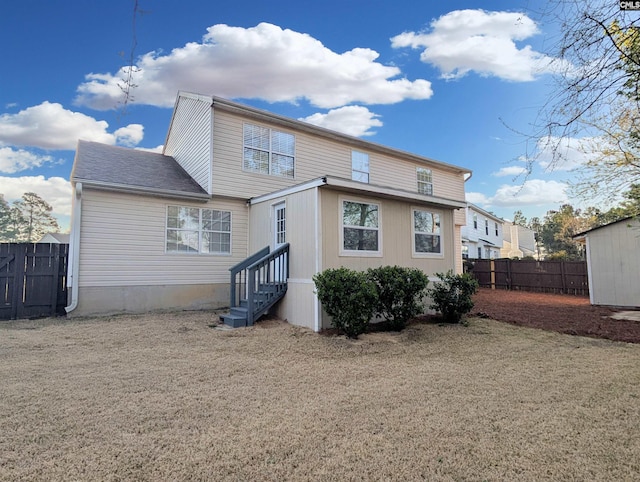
280 225
279 237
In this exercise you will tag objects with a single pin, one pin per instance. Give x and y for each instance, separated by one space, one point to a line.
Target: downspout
74 249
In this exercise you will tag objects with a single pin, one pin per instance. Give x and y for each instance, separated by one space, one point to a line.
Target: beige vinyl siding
614 264
189 142
315 156
395 235
300 228
459 220
122 242
300 306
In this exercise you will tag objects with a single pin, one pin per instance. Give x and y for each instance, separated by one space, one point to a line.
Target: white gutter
74 249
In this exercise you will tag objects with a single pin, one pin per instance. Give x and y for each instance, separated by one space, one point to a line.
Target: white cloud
567 153
157 149
483 42
266 62
533 192
477 198
513 171
51 126
55 190
16 160
353 120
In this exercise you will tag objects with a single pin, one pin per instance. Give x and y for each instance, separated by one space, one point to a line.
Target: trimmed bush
348 297
400 292
452 295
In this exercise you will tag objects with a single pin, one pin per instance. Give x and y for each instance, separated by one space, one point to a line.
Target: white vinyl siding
122 242
359 166
268 151
189 141
196 230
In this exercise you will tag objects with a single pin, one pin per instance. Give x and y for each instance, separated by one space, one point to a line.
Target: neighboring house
518 241
56 238
482 235
161 231
613 264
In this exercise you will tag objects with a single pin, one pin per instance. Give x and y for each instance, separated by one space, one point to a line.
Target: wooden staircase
257 283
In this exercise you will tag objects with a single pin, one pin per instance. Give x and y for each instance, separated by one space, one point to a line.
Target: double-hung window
360 228
425 181
427 236
269 151
359 166
198 230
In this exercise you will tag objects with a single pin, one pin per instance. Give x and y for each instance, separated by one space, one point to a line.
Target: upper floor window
496 228
360 227
359 166
196 230
268 151
486 227
475 221
425 181
426 232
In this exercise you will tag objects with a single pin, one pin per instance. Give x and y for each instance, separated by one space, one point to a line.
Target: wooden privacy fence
33 280
569 277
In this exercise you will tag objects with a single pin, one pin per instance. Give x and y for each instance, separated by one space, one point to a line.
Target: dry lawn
165 397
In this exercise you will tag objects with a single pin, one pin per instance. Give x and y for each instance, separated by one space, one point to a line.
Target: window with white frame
268 151
486 227
360 227
427 236
425 181
475 221
198 230
496 224
359 166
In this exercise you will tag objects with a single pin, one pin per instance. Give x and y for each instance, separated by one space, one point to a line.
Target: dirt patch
573 315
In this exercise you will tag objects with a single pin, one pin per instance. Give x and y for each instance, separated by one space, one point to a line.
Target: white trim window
198 230
425 181
427 234
359 166
360 228
268 151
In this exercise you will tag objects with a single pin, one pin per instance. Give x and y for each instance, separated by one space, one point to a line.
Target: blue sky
453 81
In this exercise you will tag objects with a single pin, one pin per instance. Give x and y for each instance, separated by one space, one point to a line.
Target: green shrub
452 295
348 297
400 292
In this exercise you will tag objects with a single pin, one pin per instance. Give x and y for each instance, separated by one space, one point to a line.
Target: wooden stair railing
257 284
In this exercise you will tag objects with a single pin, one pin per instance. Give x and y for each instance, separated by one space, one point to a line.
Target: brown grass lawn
165 397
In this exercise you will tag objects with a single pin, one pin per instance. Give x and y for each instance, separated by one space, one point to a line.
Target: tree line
554 233
26 220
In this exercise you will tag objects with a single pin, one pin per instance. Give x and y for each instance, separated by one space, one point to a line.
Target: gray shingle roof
133 170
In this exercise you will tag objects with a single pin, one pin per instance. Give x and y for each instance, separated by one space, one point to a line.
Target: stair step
234 321
239 311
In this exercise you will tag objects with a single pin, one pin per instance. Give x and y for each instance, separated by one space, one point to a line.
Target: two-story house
243 204
482 235
519 242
